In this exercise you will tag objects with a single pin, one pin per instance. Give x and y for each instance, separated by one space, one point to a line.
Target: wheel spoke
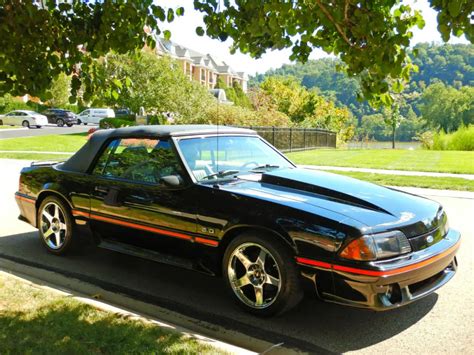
62 226
243 281
58 238
243 259
261 258
271 280
48 216
48 233
56 211
258 295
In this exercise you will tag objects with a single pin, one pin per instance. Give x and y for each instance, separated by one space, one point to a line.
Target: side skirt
153 255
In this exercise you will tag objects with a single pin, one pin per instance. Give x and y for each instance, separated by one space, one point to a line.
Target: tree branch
338 28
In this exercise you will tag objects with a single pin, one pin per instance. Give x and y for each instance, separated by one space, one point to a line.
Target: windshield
211 158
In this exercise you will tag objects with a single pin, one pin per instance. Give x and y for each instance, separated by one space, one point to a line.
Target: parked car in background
223 201
60 117
94 115
122 113
23 118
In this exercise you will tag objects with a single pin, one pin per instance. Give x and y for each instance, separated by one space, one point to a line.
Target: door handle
101 189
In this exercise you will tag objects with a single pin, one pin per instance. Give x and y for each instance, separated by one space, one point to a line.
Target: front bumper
388 284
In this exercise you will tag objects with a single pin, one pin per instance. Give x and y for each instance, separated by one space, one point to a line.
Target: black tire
85 123
60 122
281 266
79 121
1 123
25 124
67 239
69 124
38 126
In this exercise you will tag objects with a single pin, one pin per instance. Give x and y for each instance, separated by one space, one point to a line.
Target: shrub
462 139
426 139
115 123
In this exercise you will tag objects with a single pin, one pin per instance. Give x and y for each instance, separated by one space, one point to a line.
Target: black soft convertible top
83 158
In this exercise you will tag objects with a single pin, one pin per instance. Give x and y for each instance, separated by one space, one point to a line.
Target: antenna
218 113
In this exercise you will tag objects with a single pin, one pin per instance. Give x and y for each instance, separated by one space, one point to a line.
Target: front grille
428 239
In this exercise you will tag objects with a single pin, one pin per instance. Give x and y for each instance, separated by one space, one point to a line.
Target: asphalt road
440 323
43 131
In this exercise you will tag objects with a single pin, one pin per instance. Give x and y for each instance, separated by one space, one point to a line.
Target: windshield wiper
264 167
221 173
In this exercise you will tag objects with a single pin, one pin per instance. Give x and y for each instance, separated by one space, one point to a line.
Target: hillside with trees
445 73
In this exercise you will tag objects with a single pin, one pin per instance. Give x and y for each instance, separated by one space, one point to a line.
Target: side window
145 160
85 113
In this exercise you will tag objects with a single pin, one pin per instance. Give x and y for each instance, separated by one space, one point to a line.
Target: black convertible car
223 201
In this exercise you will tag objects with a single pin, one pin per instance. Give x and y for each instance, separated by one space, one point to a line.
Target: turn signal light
359 249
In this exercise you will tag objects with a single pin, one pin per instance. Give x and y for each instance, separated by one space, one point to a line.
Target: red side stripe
199 240
141 227
400 270
30 200
80 213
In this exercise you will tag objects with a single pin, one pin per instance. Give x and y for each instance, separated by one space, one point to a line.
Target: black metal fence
293 139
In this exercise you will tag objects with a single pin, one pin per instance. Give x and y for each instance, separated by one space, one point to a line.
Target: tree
392 119
40 39
370 37
157 85
444 107
59 91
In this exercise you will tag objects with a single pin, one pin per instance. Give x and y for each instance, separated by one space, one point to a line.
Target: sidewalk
389 172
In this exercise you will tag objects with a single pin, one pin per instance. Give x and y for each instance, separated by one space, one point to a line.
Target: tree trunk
393 137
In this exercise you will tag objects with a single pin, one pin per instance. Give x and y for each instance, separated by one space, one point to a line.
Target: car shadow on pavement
312 326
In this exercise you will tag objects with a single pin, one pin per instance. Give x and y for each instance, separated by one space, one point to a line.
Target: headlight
377 246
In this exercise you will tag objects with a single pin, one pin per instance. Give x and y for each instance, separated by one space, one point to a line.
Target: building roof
83 158
206 60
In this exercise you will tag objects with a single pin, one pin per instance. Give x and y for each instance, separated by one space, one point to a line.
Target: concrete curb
118 303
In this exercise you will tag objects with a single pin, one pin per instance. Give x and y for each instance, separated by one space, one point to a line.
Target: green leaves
199 31
36 44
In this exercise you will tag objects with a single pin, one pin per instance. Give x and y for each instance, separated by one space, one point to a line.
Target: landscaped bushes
115 123
462 139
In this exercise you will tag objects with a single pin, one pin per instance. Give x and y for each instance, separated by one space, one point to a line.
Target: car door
97 115
50 115
130 203
8 118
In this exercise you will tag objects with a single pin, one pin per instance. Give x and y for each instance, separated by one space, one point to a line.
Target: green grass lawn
50 143
34 156
413 181
415 160
35 320
8 127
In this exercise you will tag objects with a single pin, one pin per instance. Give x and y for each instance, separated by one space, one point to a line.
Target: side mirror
172 180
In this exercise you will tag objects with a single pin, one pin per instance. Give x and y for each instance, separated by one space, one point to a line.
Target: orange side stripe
200 240
141 227
30 200
352 270
80 213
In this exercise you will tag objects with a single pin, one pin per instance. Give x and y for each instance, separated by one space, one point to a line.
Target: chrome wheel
254 275
53 225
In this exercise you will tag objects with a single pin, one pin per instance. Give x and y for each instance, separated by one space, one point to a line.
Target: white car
23 118
94 115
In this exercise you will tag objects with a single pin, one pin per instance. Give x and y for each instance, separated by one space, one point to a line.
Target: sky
183 32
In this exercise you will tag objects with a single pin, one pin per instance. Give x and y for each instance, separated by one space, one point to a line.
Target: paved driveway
439 323
46 130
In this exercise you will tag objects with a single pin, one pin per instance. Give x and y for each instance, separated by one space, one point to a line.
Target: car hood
376 207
